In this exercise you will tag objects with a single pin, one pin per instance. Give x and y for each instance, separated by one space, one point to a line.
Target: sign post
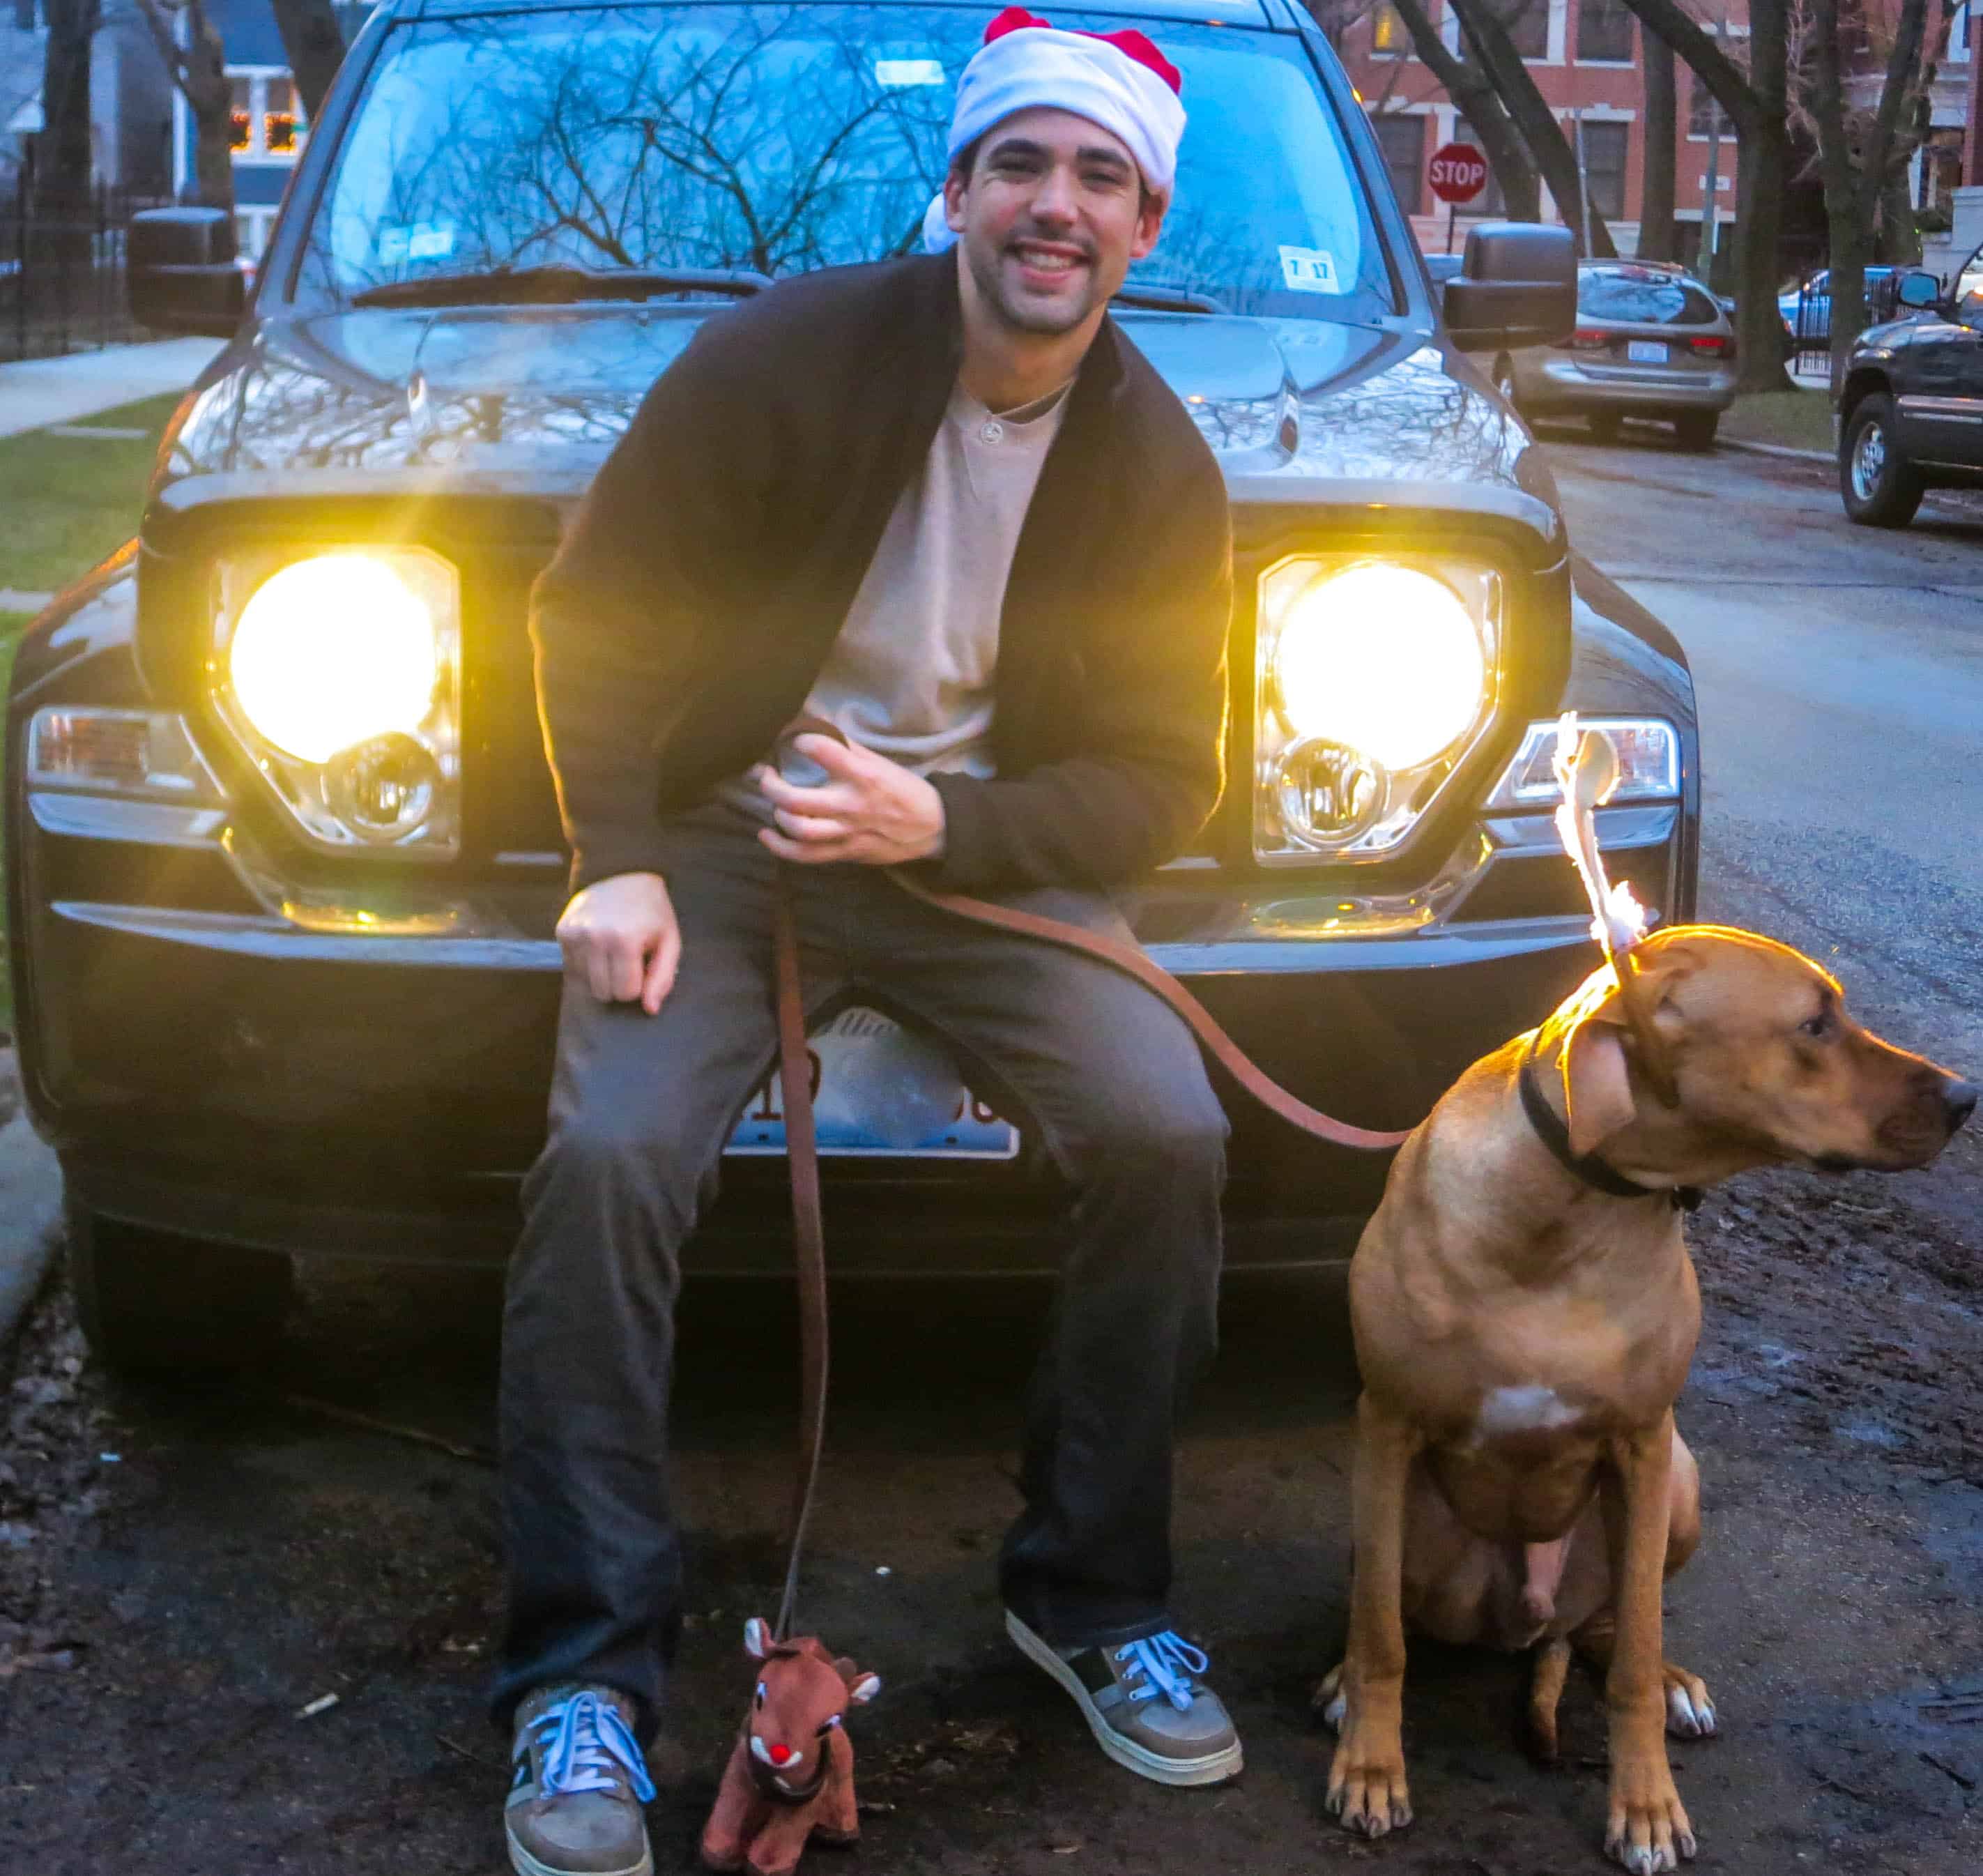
1457 172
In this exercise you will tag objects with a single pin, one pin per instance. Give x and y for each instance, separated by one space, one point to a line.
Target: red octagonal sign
1458 172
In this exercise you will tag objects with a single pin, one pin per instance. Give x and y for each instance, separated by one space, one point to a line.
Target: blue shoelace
1166 1662
586 1747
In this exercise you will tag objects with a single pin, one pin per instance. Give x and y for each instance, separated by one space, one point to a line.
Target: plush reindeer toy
791 1775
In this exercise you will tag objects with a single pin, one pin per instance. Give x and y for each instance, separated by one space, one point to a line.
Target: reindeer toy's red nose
780 1754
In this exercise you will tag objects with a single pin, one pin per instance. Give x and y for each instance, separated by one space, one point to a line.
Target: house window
1527 23
1401 136
268 124
1604 32
1702 110
1604 167
1388 35
241 122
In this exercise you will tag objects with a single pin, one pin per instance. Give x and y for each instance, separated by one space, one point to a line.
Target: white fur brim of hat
1043 67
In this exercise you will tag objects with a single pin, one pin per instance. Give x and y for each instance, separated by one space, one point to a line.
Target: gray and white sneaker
1145 1704
575 1808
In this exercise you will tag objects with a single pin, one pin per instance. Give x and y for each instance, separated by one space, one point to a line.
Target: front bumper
375 1086
1557 382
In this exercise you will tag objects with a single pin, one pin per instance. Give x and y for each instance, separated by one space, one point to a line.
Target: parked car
1910 408
1726 302
1651 341
1807 309
283 856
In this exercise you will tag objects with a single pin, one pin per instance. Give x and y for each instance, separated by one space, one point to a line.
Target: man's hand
869 810
620 934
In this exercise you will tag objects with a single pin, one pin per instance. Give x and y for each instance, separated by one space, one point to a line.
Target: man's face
1050 217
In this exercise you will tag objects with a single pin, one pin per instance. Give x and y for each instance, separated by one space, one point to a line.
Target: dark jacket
712 563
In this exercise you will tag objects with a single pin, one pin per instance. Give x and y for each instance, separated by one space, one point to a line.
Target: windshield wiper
559 285
1169 299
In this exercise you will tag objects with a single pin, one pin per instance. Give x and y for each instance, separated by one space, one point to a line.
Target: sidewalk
40 391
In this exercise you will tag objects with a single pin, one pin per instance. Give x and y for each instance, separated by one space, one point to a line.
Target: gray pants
1110 1080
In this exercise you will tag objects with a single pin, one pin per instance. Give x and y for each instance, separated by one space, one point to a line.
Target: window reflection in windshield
783 139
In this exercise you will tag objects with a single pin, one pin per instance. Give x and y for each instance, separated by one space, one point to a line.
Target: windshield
782 138
1642 296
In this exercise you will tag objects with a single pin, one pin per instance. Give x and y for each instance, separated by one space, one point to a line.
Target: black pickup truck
1911 414
283 858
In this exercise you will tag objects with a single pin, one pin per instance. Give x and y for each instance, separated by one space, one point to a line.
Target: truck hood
529 400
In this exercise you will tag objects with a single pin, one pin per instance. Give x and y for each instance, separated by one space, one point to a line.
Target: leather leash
802 1149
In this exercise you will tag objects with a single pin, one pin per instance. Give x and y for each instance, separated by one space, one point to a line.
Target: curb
1775 449
31 1193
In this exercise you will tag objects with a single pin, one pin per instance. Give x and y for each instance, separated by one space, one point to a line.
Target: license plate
880 1091
1645 352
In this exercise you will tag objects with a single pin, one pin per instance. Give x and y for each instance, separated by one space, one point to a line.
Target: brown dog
791 1775
1524 1318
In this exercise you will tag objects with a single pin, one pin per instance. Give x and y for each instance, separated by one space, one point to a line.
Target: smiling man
943 503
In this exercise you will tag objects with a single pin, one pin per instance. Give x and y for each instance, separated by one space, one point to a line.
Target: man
942 503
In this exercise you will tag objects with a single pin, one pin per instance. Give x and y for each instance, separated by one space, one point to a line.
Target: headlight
340 674
1374 678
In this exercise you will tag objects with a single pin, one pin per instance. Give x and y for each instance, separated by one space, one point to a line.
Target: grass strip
1797 420
70 500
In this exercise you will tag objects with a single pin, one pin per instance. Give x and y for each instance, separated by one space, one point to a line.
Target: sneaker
1145 1703
575 1808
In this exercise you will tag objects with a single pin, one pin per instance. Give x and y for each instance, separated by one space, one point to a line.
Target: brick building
1584 57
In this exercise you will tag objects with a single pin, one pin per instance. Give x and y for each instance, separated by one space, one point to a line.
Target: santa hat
1118 80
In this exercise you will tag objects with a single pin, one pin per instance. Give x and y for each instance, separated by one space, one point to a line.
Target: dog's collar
1594 1172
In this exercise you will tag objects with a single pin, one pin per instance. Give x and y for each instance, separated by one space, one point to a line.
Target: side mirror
1917 291
1517 286
179 271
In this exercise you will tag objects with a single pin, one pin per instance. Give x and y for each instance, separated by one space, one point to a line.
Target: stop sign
1458 172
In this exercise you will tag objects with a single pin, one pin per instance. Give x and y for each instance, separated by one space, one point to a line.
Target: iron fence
61 272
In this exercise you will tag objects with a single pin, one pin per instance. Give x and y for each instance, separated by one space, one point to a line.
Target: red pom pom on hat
1128 40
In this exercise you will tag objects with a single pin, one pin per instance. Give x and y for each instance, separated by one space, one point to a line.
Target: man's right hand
620 936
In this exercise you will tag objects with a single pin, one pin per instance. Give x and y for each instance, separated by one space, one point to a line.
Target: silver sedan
1650 341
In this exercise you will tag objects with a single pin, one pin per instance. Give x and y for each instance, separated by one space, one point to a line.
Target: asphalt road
184 1578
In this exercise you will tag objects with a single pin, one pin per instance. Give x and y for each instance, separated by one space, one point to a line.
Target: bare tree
1494 49
62 168
199 69
1659 239
1757 101
1856 147
314 46
1473 93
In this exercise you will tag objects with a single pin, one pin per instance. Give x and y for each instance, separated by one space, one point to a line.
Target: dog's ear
756 1638
864 1689
1597 1080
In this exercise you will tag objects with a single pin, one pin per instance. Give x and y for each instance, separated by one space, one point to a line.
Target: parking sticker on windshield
419 241
895 73
1309 270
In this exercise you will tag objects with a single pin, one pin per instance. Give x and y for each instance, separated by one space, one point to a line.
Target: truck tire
1880 488
1694 430
160 1306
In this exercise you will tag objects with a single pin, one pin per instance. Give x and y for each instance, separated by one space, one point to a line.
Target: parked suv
284 860
1911 411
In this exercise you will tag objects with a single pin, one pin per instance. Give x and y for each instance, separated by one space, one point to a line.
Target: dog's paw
1689 1710
1329 1699
1367 1792
1647 1831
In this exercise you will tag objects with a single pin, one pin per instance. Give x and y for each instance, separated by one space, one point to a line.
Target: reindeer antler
1588 770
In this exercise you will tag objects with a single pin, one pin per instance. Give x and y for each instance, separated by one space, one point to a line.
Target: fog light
1328 792
383 788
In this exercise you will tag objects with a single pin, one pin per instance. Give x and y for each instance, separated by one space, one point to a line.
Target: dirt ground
182 1577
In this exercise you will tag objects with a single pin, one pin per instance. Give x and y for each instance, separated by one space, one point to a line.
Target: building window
268 124
1402 138
1604 32
1702 111
1604 167
1388 36
1527 23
